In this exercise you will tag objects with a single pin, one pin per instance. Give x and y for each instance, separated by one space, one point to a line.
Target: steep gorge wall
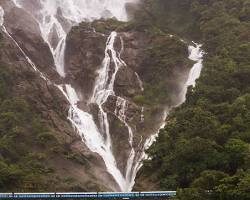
142 54
156 69
205 144
39 144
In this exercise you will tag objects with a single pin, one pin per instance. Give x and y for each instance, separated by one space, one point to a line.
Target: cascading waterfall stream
25 55
74 12
104 87
49 15
86 127
195 54
120 112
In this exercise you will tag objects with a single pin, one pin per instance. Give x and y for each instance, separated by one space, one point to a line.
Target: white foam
55 19
1 16
195 54
50 13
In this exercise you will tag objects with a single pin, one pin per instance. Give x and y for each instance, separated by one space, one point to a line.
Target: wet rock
71 159
84 56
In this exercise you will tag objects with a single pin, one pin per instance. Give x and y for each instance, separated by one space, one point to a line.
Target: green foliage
139 99
5 82
165 56
204 151
21 132
108 25
45 138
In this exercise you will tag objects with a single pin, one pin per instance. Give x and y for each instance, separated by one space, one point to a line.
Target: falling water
49 15
195 54
104 87
54 34
120 112
139 81
73 12
86 127
25 55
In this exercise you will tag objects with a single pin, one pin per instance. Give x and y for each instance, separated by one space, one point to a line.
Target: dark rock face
150 82
126 83
49 103
25 30
84 56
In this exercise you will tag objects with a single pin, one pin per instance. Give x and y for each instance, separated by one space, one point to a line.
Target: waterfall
15 42
55 19
139 81
120 112
86 127
196 55
54 34
104 87
1 16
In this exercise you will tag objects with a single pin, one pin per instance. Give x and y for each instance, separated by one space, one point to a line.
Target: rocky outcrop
149 81
69 159
25 29
146 66
83 56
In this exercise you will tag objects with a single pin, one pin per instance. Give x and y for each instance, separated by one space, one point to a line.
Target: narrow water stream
97 140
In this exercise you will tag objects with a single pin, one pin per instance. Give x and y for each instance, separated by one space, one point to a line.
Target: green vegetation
165 57
20 130
28 144
105 26
204 151
164 60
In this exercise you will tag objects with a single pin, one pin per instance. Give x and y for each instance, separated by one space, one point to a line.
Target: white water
1 16
139 81
25 55
195 54
104 87
54 33
120 112
86 127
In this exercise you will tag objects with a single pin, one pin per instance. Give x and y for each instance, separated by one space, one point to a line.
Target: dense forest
204 150
29 141
19 126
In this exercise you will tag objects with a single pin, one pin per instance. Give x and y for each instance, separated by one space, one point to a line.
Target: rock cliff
150 79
